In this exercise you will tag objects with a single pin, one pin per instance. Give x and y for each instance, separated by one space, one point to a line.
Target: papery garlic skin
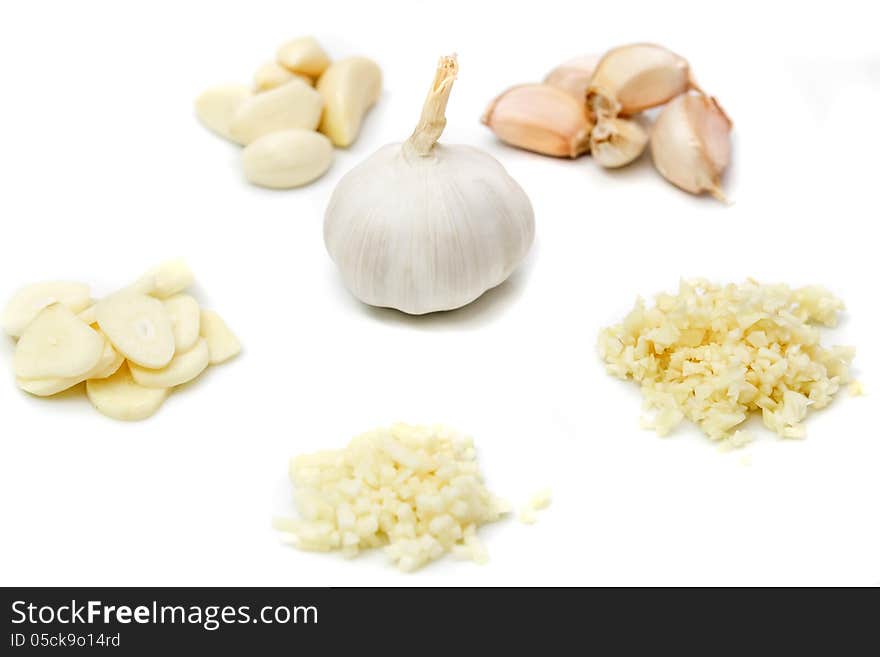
540 118
617 142
690 144
636 77
574 75
425 227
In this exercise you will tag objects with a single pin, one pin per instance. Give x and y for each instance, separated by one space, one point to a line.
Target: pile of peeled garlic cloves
589 104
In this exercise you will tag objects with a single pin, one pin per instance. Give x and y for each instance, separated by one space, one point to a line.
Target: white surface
105 172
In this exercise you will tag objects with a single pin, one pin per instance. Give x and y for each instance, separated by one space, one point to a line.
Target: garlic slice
540 118
574 75
183 368
139 328
617 142
349 87
222 343
30 301
636 77
690 144
57 344
165 280
107 365
120 398
183 310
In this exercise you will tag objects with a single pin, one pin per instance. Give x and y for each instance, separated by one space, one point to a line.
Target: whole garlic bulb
424 227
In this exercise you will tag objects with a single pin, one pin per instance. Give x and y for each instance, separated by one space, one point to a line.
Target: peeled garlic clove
222 343
119 397
273 74
183 368
690 144
139 328
540 118
185 315
30 301
349 88
303 55
617 142
636 77
57 344
574 76
287 159
216 106
292 105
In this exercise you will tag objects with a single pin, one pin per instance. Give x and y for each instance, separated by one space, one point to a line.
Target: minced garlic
713 354
415 490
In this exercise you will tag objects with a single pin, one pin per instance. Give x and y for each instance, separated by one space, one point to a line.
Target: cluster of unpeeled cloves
588 104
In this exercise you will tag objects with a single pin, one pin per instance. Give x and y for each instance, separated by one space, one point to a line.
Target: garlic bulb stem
433 118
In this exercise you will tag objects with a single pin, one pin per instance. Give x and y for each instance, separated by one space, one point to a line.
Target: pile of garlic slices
301 105
130 348
588 104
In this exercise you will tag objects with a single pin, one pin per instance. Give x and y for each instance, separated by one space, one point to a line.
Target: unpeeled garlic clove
292 105
574 76
272 74
690 144
617 142
303 55
217 105
540 118
349 87
636 77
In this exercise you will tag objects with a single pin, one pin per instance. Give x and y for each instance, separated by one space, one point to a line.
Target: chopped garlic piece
414 490
714 354
540 500
856 389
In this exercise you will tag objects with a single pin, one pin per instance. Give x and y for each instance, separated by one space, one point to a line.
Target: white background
105 172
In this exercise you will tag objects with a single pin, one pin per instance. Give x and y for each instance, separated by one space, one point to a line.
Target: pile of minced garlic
713 354
416 490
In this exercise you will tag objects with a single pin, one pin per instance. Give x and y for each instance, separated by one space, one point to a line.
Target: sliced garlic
287 159
222 344
165 280
185 315
120 398
88 315
303 55
138 326
109 362
29 301
636 77
690 144
573 76
617 142
349 88
292 105
57 344
184 367
273 74
216 106
540 118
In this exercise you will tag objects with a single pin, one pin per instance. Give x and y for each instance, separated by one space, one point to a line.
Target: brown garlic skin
636 77
540 118
690 144
573 76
